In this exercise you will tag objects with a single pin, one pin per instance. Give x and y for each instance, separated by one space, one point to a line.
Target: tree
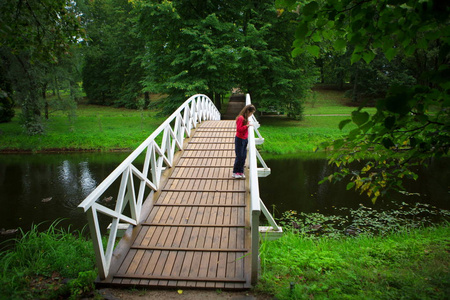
411 124
267 70
34 35
112 71
191 48
212 46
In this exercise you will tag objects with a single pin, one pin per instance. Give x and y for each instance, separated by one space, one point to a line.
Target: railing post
255 246
94 227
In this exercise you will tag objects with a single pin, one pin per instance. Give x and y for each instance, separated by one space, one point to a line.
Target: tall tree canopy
34 35
412 122
112 71
212 46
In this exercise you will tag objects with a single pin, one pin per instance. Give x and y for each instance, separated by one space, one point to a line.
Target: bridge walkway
197 234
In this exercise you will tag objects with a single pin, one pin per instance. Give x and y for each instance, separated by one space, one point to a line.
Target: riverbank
93 128
100 128
411 263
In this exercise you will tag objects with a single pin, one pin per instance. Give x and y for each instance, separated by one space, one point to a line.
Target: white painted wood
269 233
256 204
157 157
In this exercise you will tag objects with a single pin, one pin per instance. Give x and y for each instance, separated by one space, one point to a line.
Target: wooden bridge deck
197 232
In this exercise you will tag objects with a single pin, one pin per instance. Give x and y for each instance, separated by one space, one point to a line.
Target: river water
38 188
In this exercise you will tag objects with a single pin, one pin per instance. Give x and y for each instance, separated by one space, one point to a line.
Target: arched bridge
187 222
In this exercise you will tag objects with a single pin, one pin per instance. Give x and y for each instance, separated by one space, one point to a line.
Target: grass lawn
283 136
93 128
323 102
412 264
107 128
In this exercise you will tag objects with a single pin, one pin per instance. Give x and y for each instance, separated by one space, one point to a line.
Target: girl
241 140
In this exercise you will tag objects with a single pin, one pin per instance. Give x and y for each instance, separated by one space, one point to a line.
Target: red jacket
241 129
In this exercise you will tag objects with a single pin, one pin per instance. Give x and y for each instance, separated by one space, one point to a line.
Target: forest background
392 55
82 59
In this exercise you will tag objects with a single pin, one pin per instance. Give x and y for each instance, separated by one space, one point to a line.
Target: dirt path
143 294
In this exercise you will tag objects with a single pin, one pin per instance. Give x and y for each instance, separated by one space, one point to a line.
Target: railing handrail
193 111
91 198
255 207
253 167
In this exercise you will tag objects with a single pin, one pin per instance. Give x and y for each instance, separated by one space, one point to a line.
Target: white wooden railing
256 204
157 156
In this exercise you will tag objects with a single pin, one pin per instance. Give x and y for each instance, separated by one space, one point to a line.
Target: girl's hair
245 112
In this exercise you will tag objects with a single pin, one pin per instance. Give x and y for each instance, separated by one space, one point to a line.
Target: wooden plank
196 235
205 205
196 224
166 248
205 191
179 278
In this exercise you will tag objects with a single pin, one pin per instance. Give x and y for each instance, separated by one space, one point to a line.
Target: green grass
284 136
322 115
323 101
404 265
41 262
94 128
108 128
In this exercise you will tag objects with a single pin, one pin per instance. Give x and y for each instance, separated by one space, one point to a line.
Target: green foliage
191 48
6 107
83 284
210 48
40 260
412 122
407 265
363 220
35 35
112 70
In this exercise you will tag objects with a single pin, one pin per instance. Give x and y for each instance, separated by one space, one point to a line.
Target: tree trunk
217 101
355 86
146 99
44 96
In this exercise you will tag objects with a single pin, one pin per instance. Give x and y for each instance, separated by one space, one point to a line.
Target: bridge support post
255 246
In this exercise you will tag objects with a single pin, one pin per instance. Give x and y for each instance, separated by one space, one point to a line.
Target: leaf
338 143
350 185
368 56
343 123
313 50
301 31
388 143
389 122
339 44
310 8
390 53
297 51
355 57
360 118
353 134
285 3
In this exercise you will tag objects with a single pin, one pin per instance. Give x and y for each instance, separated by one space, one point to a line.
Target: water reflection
293 185
25 180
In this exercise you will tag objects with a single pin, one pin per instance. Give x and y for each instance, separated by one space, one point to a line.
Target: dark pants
240 148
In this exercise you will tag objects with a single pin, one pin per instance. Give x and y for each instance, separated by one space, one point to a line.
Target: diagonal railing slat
193 111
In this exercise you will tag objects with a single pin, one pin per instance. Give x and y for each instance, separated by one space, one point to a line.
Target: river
36 188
